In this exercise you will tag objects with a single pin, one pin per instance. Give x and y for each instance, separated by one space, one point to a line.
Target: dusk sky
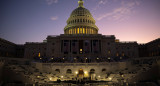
33 20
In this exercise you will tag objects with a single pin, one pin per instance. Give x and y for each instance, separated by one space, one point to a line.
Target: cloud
54 18
100 2
50 2
121 13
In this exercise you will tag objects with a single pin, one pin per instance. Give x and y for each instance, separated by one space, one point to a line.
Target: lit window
69 31
92 31
109 52
83 31
39 54
122 54
117 54
86 30
78 30
75 30
116 40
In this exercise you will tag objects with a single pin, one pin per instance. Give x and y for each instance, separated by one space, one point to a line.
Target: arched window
57 70
103 70
75 20
92 71
69 71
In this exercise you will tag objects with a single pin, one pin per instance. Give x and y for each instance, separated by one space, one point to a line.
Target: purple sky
32 20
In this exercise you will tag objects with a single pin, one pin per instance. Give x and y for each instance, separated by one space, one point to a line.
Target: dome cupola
81 21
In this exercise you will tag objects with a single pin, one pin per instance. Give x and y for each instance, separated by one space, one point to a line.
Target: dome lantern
80 2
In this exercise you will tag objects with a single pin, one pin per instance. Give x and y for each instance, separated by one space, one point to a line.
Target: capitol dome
81 21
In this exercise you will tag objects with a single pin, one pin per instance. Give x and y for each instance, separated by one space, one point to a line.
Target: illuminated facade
81 40
81 54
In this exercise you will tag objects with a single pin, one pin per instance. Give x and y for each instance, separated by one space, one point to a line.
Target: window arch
92 71
81 20
57 70
103 70
69 71
75 20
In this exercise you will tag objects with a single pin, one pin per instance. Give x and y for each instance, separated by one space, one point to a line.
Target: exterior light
110 78
74 58
122 75
63 58
86 58
51 58
99 76
97 58
85 72
76 72
40 58
50 78
109 58
61 76
38 76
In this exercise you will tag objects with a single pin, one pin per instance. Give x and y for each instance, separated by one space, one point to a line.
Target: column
75 31
70 42
91 42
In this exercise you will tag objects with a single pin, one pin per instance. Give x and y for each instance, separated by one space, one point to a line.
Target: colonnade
81 30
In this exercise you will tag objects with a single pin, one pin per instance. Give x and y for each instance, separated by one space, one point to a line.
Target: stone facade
9 49
87 46
150 49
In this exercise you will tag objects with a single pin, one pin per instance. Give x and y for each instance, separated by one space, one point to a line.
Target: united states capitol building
80 57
